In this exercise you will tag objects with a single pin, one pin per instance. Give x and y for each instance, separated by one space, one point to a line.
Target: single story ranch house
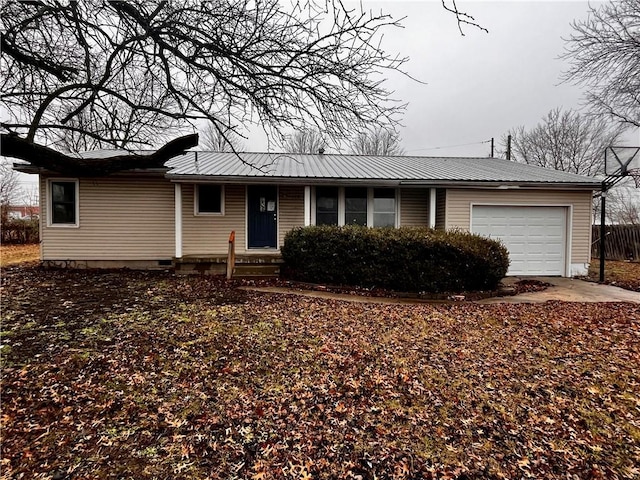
185 212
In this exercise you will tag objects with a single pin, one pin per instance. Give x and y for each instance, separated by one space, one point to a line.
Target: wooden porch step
264 265
265 270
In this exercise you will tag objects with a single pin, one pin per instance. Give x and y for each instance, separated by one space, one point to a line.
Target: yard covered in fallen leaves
145 375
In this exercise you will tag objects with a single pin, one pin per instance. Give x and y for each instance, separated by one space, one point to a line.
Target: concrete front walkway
562 289
568 290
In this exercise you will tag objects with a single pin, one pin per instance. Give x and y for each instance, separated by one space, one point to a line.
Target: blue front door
262 216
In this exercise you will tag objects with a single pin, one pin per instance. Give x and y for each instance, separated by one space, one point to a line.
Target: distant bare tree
305 141
217 140
564 141
623 206
604 56
9 183
9 189
379 141
31 199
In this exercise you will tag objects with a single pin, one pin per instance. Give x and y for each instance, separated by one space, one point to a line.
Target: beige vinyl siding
458 211
209 234
414 207
291 210
121 218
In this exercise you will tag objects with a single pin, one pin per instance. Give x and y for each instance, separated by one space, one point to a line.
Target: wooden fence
622 242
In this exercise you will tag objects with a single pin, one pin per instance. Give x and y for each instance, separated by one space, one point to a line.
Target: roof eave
31 169
493 184
240 179
506 185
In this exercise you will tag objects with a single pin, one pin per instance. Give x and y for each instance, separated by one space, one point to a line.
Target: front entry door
262 214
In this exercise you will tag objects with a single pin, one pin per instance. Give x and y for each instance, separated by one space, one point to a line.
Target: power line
449 146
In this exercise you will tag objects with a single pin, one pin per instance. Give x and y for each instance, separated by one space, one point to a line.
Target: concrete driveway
567 290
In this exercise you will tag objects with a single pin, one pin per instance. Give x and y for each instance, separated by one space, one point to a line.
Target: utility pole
491 147
508 147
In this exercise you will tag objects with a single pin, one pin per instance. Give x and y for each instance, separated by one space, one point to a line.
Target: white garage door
534 236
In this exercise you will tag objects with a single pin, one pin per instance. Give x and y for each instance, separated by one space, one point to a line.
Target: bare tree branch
105 74
462 17
133 74
604 56
62 72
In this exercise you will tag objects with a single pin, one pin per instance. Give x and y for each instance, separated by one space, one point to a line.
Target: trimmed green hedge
403 259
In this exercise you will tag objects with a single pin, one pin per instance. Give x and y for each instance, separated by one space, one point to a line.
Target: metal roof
323 168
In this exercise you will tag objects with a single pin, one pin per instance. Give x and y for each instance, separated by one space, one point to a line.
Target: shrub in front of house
403 259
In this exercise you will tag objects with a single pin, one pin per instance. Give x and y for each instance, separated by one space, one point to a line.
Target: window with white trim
384 207
63 203
355 206
373 207
327 206
209 199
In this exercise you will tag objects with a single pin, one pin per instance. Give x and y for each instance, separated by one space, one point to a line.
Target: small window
384 207
64 202
209 199
327 206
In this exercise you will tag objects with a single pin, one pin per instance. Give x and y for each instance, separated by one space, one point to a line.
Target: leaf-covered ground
145 375
15 254
621 274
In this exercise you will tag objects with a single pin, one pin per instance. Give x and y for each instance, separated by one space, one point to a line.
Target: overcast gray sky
482 84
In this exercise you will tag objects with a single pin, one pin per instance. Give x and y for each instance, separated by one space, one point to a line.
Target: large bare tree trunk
51 160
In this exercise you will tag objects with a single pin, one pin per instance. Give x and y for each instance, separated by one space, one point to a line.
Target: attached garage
536 236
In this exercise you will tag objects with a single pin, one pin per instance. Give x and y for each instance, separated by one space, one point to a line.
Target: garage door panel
534 236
